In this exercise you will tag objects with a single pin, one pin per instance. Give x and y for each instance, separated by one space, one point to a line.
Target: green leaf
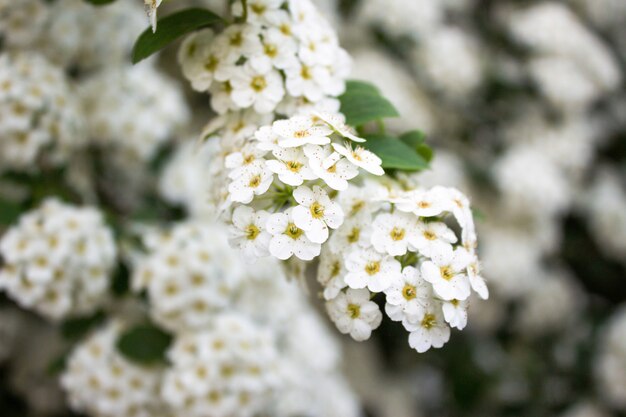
145 344
9 212
415 139
75 328
170 28
395 153
362 103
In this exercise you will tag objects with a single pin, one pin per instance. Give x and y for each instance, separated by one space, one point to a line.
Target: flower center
255 181
454 302
236 39
293 166
211 63
285 29
397 234
354 311
430 235
301 134
270 50
423 204
446 273
305 73
356 155
317 210
372 267
258 83
258 8
252 232
293 231
429 321
335 269
354 235
332 169
248 159
408 292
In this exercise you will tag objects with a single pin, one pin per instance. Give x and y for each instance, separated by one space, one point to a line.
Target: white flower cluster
37 113
80 36
189 274
58 260
612 361
292 168
398 243
101 382
227 370
133 109
21 21
285 53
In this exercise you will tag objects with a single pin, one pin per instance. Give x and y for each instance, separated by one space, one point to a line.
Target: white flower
446 271
262 90
236 41
424 203
291 165
430 331
331 272
408 296
299 131
288 239
248 232
254 179
266 139
337 122
307 81
455 313
368 268
330 166
432 238
151 10
316 213
355 232
392 232
355 200
354 313
278 52
477 282
361 157
248 154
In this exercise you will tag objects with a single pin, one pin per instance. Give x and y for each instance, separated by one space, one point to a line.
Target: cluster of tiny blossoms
282 180
285 53
101 382
58 259
39 120
189 274
227 370
401 243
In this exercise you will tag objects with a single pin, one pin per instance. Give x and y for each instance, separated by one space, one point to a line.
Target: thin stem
244 4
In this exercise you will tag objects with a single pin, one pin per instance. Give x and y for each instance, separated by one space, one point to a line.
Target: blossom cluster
282 55
282 180
58 260
189 273
102 383
400 243
116 118
40 122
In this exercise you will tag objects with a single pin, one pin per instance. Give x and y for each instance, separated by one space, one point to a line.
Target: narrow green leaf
395 153
99 2
362 103
415 139
170 28
9 212
144 344
75 328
